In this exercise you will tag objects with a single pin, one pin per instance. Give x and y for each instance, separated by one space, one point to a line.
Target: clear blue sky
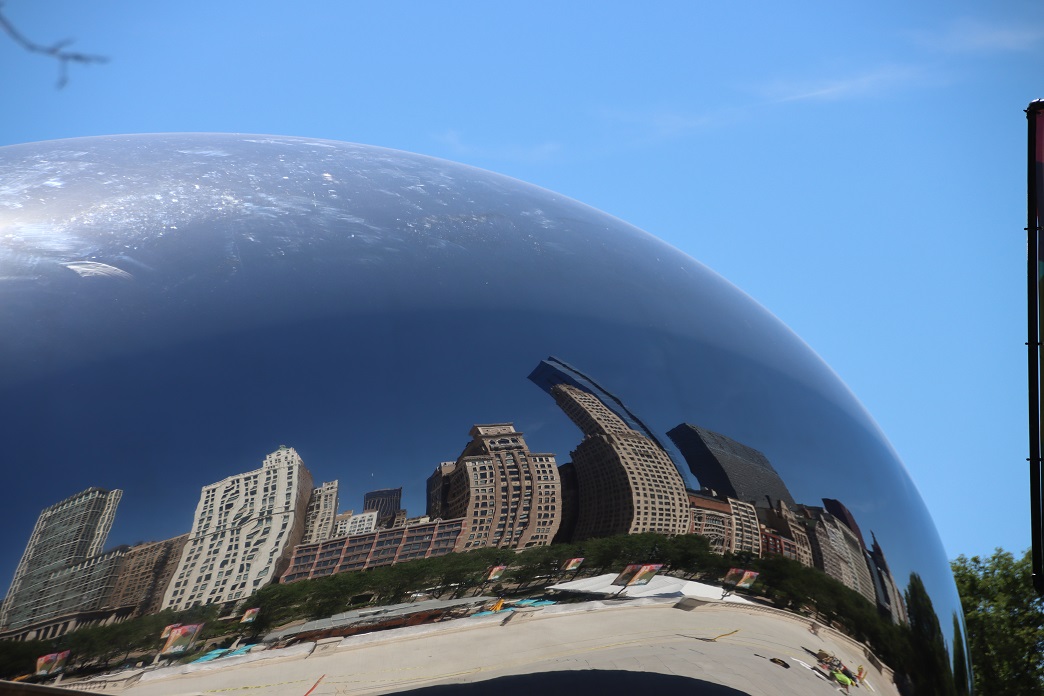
859 170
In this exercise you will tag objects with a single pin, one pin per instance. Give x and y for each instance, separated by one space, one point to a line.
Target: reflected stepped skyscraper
243 533
66 534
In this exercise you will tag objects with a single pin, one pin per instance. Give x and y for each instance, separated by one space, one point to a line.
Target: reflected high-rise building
322 509
386 501
66 534
890 600
348 523
626 483
729 467
144 575
437 488
509 496
243 533
552 372
836 550
843 514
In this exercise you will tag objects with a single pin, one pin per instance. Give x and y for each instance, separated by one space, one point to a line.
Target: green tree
1005 620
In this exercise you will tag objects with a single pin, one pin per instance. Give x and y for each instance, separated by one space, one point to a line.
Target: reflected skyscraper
890 600
386 501
66 534
626 483
836 550
729 467
552 371
243 533
144 575
509 496
437 488
322 509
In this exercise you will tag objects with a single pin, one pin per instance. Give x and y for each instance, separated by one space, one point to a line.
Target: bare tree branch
56 51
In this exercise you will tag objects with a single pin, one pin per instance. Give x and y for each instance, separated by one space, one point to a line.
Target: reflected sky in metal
174 307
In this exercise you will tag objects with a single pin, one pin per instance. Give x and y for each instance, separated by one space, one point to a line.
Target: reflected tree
928 662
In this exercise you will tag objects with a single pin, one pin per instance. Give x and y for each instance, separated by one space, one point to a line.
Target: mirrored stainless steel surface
176 307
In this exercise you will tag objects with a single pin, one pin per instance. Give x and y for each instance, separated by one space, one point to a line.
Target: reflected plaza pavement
713 649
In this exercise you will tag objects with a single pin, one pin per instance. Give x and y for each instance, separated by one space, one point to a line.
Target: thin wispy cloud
657 123
980 36
861 85
539 152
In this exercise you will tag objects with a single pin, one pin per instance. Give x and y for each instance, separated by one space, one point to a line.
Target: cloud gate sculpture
216 346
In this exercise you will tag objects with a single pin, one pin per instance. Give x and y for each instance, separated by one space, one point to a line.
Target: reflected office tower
890 601
729 467
386 501
438 484
844 515
243 533
836 551
552 372
66 534
322 509
509 496
626 483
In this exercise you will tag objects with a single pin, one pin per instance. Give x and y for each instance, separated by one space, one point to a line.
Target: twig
56 51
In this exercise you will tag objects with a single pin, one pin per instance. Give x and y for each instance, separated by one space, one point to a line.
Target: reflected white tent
659 586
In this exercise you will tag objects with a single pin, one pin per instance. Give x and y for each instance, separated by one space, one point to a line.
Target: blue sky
857 170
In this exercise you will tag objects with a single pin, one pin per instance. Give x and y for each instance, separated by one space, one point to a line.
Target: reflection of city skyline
620 480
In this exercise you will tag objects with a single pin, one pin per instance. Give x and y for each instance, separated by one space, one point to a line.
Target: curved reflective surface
523 367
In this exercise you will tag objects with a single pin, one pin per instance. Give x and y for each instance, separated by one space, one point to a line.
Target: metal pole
1033 112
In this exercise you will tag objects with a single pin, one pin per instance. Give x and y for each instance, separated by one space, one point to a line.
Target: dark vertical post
1033 343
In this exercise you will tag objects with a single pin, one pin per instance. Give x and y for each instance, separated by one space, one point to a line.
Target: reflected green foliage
96 648
1005 620
961 676
928 666
19 657
917 652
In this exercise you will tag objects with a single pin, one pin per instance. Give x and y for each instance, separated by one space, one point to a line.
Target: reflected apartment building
626 483
509 496
144 574
496 493
348 523
243 532
380 547
729 524
322 509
